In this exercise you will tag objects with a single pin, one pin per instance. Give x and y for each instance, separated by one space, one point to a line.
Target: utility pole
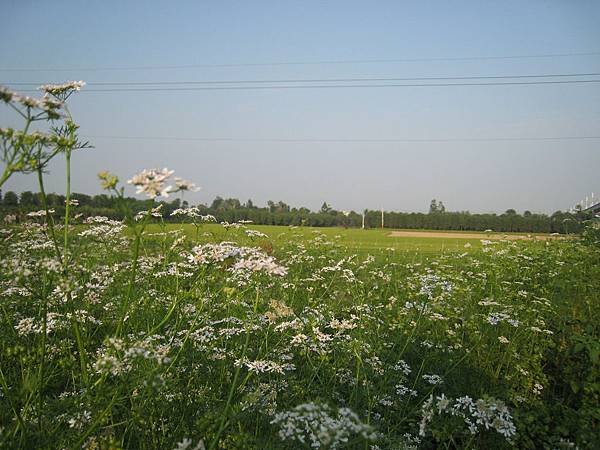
382 218
363 220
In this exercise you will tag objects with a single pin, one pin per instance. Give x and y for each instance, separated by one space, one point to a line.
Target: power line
350 140
300 63
322 80
330 86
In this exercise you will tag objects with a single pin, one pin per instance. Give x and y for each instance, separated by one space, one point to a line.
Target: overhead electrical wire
330 86
300 63
348 140
323 80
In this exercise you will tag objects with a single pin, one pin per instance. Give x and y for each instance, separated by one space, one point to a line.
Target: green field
369 241
363 241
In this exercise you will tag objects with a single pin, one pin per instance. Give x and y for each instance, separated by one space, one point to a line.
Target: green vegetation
279 213
137 333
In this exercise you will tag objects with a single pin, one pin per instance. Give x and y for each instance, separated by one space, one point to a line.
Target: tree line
280 213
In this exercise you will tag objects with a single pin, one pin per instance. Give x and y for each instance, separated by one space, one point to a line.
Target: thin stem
41 373
67 210
8 170
232 389
49 219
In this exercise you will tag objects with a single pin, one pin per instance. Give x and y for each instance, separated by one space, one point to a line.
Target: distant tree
249 204
436 207
83 199
28 198
282 207
527 213
232 204
10 199
58 200
325 208
510 212
217 203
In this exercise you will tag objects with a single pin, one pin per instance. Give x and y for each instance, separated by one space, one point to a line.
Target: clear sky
150 41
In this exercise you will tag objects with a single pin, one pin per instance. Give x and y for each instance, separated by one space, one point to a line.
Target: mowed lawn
355 240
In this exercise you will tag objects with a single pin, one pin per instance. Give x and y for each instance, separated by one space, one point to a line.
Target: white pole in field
363 221
382 218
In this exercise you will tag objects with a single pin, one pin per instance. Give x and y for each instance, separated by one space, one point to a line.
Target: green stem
8 171
12 406
67 210
49 219
41 373
232 389
136 254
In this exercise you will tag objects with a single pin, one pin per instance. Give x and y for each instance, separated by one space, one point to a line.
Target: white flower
185 185
433 379
151 182
58 89
318 426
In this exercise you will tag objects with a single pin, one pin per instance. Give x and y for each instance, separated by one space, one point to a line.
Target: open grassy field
416 243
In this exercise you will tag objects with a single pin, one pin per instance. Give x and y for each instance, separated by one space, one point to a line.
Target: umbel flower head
185 185
62 90
50 106
152 182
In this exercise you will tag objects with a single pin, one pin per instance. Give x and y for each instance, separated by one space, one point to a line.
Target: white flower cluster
152 182
255 234
194 213
186 443
264 366
47 104
40 213
489 413
118 357
154 212
60 89
185 185
433 379
318 426
245 259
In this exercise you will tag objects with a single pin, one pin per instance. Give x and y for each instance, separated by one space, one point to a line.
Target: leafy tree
10 199
217 203
28 198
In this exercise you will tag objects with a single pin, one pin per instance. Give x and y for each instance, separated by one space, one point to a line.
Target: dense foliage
279 213
268 342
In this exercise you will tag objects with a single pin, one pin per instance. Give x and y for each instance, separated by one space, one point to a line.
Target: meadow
142 334
242 336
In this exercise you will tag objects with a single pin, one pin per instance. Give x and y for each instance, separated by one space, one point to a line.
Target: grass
162 336
354 240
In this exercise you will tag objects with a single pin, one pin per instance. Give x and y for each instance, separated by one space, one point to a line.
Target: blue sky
110 41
